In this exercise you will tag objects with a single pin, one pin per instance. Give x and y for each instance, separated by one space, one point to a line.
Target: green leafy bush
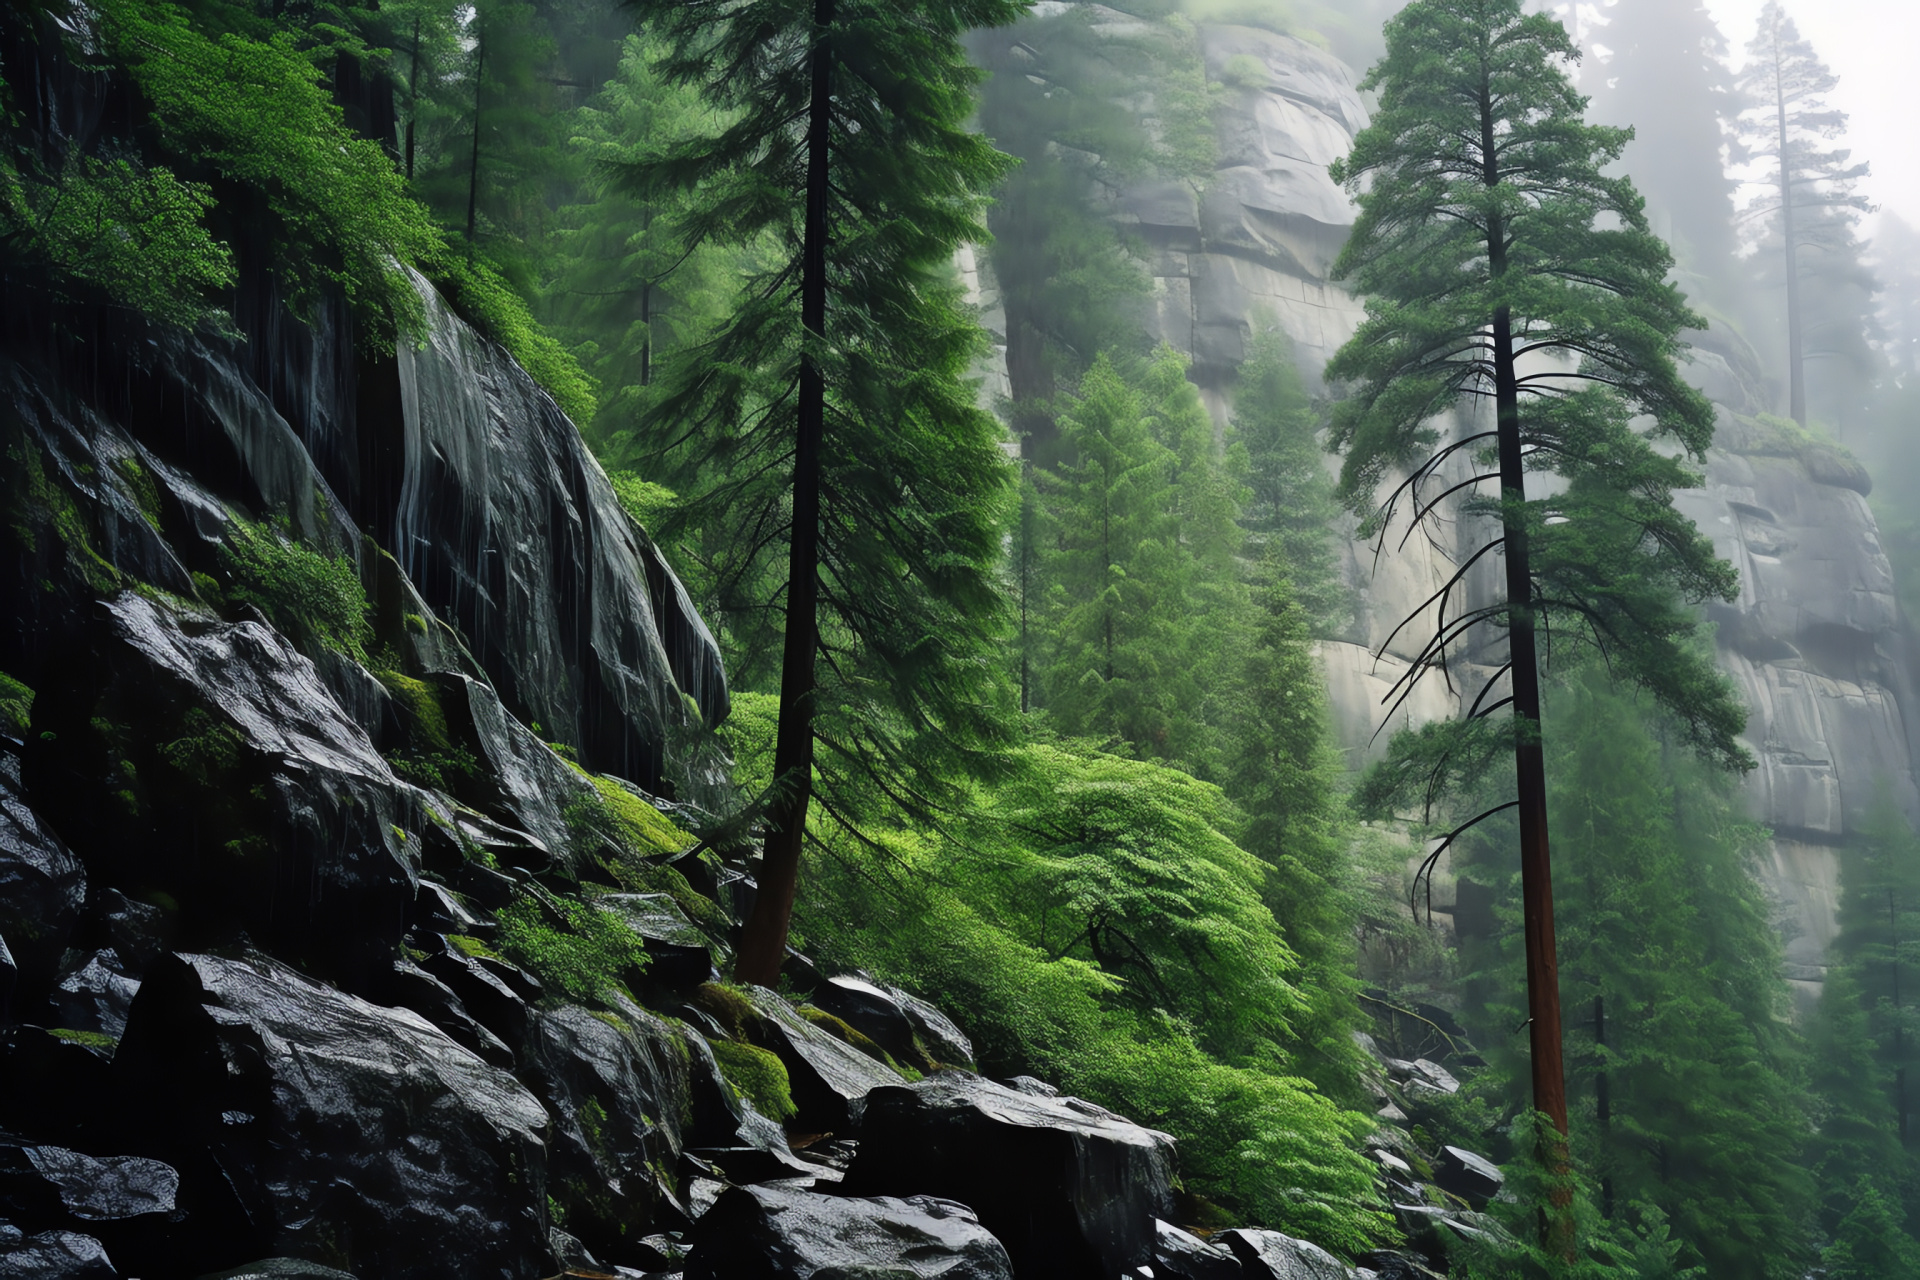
116 232
301 591
592 956
16 703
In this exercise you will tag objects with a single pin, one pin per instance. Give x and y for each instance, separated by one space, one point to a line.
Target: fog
1872 45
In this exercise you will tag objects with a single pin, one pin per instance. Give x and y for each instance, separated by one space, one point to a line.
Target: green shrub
207 752
590 958
16 703
759 1076
300 591
117 232
642 500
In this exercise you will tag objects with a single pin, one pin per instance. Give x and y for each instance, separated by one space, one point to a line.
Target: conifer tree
617 283
1667 77
1146 593
1813 198
1490 236
828 419
1682 1071
1290 505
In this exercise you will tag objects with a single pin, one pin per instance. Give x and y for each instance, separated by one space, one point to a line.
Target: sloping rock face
506 524
1270 221
270 811
1819 647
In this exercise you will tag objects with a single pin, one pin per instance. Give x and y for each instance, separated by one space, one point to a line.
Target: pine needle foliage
1485 193
828 422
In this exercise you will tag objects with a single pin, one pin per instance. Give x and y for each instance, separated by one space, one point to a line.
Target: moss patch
301 591
593 956
207 752
840 1029
16 704
729 1006
98 1041
142 489
642 828
758 1076
36 501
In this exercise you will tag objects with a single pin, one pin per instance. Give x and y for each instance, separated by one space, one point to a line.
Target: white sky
1874 47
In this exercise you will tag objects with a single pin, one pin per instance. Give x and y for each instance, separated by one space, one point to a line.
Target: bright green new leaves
1128 867
1093 923
113 231
1482 192
255 113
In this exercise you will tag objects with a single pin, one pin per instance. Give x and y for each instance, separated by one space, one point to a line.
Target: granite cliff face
1816 641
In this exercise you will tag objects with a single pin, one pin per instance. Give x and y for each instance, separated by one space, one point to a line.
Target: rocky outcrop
308 1122
232 780
773 1232
1815 642
1071 1189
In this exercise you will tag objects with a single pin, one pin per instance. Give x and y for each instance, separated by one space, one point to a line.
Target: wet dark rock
1433 1074
437 910
743 1165
42 886
834 1153
1473 1178
1434 1230
1389 1264
1183 1255
679 956
207 759
771 1233
714 1108
1032 1087
1071 1189
280 1269
96 995
482 992
616 1087
51 1086
487 887
869 1009
9 978
702 1193
802 973
827 1074
105 1189
346 1129
660 1251
944 1042
511 530
411 987
55 1255
526 785
1268 1255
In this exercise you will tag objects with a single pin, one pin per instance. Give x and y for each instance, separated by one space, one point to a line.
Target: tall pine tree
1489 233
1814 207
828 422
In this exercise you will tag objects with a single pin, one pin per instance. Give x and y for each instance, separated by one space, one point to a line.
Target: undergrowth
595 955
